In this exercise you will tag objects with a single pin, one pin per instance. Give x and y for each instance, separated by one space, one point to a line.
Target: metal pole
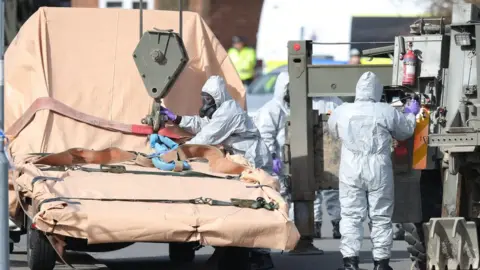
141 18
180 23
4 231
349 43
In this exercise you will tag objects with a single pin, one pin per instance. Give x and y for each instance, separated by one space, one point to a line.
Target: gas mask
208 106
286 97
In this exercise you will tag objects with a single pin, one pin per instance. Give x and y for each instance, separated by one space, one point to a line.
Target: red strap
167 132
47 103
147 130
142 129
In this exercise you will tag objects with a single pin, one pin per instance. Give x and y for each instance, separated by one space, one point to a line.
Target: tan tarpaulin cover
107 222
83 58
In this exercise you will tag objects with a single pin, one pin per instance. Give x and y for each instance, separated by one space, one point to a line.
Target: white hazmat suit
270 120
365 128
229 126
225 123
271 117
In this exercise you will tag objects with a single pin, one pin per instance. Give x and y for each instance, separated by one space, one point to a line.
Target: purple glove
277 165
413 107
171 116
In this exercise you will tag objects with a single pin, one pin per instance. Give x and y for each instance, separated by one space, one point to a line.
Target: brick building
225 17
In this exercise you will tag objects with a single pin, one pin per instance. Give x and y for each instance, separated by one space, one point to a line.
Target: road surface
146 256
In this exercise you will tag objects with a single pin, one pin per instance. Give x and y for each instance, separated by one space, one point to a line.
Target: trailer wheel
40 253
235 258
181 252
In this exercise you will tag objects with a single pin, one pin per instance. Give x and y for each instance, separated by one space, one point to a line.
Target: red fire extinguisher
409 66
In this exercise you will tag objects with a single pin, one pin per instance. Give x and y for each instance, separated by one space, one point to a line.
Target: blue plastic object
163 145
317 61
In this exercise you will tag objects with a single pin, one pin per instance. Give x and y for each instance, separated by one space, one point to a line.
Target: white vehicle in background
332 24
261 89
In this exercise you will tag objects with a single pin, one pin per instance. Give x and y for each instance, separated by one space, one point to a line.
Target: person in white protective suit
366 128
330 197
221 121
270 120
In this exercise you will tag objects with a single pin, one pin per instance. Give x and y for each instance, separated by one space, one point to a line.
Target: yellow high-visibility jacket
244 61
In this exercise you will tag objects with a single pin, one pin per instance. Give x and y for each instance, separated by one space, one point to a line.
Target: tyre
235 258
40 253
431 187
11 247
416 246
181 252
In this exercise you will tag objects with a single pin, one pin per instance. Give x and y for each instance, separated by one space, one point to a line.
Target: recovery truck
437 171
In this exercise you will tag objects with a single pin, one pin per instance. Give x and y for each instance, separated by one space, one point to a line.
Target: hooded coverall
230 126
270 121
365 128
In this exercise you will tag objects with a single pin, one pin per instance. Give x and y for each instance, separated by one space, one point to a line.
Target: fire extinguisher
409 66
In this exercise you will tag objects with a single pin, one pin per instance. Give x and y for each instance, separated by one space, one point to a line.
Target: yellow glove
421 114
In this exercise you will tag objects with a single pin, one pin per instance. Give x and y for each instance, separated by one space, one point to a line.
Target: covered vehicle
71 83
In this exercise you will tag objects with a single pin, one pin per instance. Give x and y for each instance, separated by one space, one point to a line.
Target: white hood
368 88
216 87
281 86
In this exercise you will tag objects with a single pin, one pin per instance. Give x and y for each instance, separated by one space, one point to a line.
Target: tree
444 7
18 11
441 8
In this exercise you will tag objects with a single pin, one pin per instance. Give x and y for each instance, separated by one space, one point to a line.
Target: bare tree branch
441 7
444 7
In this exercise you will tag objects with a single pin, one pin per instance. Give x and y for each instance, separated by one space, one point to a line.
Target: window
263 85
136 5
114 4
126 4
64 3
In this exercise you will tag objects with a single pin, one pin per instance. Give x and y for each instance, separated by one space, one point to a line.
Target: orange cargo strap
76 156
47 103
216 158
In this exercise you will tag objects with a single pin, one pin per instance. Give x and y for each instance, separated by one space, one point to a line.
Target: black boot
260 261
336 229
350 263
318 230
382 265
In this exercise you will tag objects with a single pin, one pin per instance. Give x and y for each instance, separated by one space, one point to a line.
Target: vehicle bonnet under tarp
83 58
